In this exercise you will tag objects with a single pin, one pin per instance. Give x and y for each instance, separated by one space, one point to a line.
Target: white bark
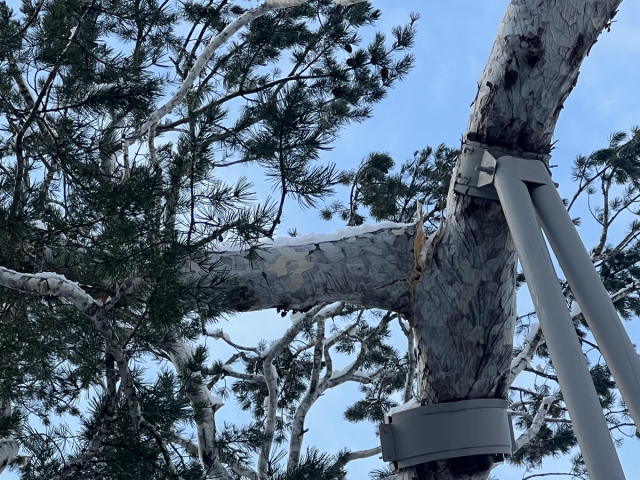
219 334
8 446
536 425
271 378
364 454
411 360
372 269
330 380
206 404
533 340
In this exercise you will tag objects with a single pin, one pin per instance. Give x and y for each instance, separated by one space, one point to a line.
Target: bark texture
372 269
464 311
533 67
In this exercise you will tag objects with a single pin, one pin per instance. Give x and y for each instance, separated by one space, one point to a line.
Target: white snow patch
314 238
297 317
219 333
533 330
40 224
330 310
413 403
53 275
340 373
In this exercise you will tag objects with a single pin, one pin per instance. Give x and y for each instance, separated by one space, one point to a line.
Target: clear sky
431 107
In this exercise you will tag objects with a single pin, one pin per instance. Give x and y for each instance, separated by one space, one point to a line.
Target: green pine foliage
393 195
274 96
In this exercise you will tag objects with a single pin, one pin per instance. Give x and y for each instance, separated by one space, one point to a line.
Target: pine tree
118 228
135 241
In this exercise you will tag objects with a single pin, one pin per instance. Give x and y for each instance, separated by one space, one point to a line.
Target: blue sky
431 107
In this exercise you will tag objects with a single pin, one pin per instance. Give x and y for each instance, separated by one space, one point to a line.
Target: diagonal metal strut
525 189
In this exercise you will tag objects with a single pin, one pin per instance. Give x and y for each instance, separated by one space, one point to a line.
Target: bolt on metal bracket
476 167
447 430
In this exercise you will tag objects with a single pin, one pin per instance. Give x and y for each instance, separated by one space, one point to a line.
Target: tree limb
371 269
363 454
536 425
214 44
8 446
202 401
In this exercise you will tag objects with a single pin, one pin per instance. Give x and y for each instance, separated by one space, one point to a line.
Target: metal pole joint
476 166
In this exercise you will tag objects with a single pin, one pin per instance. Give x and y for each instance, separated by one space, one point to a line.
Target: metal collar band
447 430
476 165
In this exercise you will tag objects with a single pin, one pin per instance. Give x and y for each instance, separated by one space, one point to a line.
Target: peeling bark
206 405
464 313
533 67
371 269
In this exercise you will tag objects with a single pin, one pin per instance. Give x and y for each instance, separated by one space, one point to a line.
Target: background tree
68 99
122 235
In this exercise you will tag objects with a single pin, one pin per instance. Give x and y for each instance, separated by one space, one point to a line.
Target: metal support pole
569 363
593 299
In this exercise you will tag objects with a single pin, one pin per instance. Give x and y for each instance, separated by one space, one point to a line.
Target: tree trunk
464 311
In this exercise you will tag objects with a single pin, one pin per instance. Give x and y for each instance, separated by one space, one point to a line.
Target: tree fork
464 313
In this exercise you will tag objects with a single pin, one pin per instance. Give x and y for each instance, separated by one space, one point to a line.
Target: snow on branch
220 334
625 292
50 283
536 425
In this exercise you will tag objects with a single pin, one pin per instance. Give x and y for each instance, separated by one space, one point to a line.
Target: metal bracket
447 430
476 166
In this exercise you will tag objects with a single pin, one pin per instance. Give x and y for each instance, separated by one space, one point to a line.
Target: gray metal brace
476 166
447 430
530 201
